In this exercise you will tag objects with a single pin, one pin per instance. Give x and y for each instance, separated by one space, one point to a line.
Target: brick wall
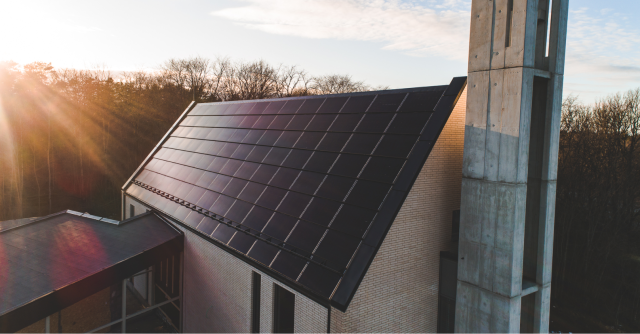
399 293
217 291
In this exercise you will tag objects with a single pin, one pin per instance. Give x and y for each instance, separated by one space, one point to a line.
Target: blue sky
382 42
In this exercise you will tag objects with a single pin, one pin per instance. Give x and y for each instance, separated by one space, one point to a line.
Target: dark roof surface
307 186
7 224
55 261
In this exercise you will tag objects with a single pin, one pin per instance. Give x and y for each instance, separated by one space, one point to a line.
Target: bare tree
337 84
256 80
293 82
193 74
220 69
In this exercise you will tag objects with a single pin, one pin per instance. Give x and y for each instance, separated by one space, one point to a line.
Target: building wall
139 207
399 292
217 291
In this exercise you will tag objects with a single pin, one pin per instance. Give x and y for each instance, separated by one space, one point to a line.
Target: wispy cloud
603 53
603 47
433 28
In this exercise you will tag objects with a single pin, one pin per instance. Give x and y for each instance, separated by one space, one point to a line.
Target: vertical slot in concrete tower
512 129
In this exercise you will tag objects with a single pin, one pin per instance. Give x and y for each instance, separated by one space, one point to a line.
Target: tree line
596 265
69 138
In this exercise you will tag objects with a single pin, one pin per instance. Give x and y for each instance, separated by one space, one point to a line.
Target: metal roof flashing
97 218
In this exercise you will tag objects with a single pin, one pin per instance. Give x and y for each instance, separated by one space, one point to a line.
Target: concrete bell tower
512 129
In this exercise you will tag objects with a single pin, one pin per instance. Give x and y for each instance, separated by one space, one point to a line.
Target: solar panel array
292 183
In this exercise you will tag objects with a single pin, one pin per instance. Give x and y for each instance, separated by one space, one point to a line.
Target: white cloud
606 11
441 29
603 48
603 54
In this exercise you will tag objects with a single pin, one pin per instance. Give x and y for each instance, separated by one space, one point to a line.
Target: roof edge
98 218
37 220
159 144
370 92
71 212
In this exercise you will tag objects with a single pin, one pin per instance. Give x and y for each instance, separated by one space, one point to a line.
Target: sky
381 42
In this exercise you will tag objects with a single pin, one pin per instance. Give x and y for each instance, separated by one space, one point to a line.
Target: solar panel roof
49 263
307 187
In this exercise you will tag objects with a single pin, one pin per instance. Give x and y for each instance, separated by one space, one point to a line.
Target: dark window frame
447 293
455 225
132 210
255 302
283 310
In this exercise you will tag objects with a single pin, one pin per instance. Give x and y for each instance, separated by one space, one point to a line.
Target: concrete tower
516 66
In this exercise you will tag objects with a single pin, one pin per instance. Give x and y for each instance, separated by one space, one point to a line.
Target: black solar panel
298 184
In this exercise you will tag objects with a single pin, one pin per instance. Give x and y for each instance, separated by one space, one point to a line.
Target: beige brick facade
399 292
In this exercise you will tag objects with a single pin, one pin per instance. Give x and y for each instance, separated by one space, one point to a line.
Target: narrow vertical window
283 310
549 27
447 292
509 23
542 35
132 210
455 226
255 302
535 174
